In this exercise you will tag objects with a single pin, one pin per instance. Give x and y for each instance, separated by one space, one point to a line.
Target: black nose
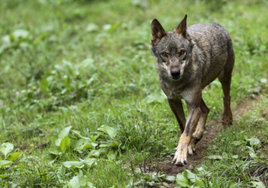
175 73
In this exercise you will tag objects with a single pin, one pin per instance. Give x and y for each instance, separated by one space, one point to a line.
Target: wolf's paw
191 148
227 118
227 121
180 158
195 139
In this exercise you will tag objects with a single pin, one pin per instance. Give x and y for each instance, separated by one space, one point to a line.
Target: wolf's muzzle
175 74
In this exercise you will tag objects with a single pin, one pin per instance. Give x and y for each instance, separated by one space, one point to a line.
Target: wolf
187 60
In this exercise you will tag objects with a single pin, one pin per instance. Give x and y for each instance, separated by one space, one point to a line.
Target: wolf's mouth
176 77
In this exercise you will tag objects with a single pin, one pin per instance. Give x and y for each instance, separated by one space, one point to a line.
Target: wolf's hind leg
225 78
198 134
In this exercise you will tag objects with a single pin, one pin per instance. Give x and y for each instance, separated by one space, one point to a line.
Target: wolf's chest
172 91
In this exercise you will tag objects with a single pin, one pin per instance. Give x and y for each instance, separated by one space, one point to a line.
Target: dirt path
213 127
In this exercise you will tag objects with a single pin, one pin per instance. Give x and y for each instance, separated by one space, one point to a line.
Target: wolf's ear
181 29
157 31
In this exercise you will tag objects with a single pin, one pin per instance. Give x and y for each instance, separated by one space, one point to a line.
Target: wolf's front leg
180 157
198 134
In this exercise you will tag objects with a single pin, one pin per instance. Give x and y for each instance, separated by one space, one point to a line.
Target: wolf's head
172 49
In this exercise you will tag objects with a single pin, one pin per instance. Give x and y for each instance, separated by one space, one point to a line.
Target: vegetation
81 105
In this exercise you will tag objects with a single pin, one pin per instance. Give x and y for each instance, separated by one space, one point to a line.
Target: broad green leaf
171 178
83 144
78 134
215 157
54 152
262 156
154 98
94 144
88 65
5 163
191 176
235 156
97 153
225 155
106 27
252 153
61 172
94 137
254 141
6 39
20 33
109 145
6 148
14 156
258 184
89 81
63 133
114 144
90 185
109 130
57 143
52 161
199 183
92 27
264 80
112 155
89 161
140 3
130 184
182 181
65 143
111 28
73 164
78 181
74 182
236 143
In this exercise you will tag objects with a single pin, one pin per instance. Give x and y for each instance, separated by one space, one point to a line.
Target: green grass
87 64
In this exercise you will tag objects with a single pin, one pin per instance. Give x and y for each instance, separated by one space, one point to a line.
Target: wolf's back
211 32
213 46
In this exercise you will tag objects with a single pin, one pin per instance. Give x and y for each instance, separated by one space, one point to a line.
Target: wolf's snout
175 73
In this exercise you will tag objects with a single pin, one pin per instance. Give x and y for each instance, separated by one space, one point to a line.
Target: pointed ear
157 31
181 29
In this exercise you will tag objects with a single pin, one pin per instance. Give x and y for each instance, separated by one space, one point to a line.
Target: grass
86 67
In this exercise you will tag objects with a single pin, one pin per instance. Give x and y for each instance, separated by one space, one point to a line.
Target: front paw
191 148
180 158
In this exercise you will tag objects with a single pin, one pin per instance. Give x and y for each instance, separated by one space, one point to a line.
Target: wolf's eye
164 54
182 52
